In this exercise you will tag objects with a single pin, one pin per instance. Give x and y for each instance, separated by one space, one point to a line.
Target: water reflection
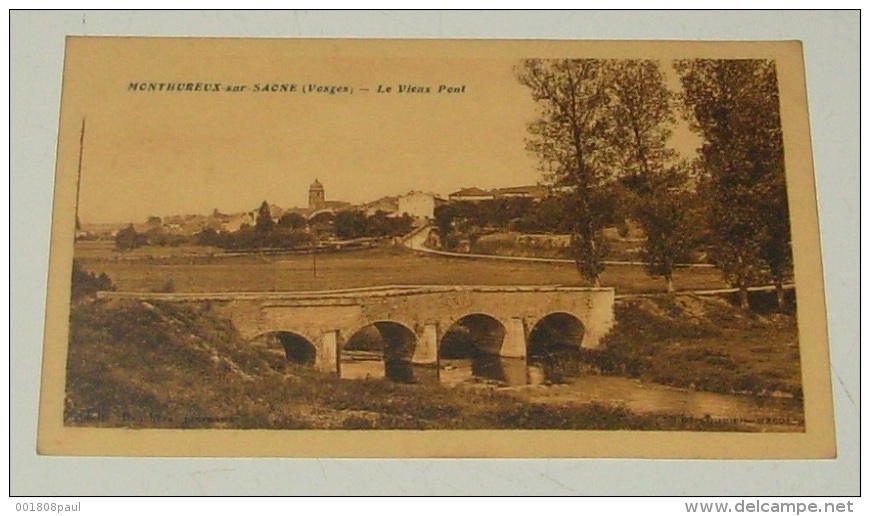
379 350
530 382
484 367
511 371
358 365
470 348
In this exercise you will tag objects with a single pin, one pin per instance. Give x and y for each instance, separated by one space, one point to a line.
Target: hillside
706 343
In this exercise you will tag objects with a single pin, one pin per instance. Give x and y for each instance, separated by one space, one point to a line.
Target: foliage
382 225
735 107
324 217
573 140
444 216
655 191
247 237
588 244
158 236
668 221
776 244
86 284
350 224
643 111
128 238
168 286
292 221
355 224
208 237
702 343
547 216
264 225
622 228
517 214
294 231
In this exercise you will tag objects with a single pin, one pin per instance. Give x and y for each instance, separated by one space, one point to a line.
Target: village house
474 194
420 205
471 194
535 192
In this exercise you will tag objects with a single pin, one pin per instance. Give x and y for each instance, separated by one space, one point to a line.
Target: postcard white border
837 179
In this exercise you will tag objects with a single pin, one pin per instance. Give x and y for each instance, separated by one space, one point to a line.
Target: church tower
316 195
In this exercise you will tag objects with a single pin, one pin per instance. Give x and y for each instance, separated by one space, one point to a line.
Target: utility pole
314 251
79 178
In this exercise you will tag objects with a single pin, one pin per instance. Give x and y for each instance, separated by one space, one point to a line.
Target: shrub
86 284
128 239
168 286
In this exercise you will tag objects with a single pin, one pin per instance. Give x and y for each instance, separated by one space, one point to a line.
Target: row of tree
605 126
291 230
463 218
356 224
247 237
345 224
520 214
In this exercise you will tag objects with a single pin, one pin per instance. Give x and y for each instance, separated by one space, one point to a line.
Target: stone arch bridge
511 321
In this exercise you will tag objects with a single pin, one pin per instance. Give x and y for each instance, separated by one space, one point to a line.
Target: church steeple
316 195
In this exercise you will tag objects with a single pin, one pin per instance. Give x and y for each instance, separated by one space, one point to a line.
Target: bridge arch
471 335
393 343
295 347
554 345
471 347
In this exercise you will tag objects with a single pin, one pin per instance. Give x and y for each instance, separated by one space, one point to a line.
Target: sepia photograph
382 248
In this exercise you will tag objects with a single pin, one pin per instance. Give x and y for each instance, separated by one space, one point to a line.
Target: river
766 414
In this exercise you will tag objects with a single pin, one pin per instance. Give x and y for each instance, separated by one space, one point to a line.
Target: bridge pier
425 358
513 369
516 334
327 353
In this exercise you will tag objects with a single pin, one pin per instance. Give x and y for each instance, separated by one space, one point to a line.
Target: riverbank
141 365
706 343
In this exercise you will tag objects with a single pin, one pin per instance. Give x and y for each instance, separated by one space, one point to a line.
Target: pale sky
165 153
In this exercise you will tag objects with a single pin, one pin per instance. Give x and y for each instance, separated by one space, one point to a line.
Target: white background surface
831 47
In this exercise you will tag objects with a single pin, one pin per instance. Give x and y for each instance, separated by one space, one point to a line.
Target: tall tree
643 112
776 245
351 224
444 217
264 225
735 108
570 138
655 189
665 215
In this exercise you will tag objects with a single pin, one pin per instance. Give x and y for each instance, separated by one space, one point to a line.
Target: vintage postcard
409 248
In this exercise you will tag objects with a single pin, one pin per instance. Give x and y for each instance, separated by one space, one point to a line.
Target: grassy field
135 364
105 250
194 270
